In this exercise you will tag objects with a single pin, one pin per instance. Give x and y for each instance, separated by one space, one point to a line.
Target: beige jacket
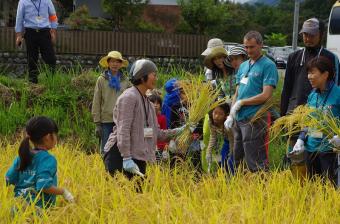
128 133
104 99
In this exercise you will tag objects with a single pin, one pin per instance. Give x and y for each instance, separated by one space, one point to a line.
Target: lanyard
37 7
145 112
325 100
250 66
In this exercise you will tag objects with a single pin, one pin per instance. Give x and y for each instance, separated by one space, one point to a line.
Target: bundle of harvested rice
201 97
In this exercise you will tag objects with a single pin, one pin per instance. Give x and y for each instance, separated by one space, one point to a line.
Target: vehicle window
334 26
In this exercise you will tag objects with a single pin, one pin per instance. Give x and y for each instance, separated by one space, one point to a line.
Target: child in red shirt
161 153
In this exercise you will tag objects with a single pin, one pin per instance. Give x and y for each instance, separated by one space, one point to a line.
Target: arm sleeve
271 75
46 171
287 87
19 22
96 103
125 116
12 175
212 140
52 15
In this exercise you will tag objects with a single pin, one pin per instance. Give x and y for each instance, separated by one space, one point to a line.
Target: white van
333 34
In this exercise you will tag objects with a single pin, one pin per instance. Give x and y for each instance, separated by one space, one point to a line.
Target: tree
202 15
124 13
275 39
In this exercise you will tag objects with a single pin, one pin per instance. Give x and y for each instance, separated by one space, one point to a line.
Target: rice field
170 196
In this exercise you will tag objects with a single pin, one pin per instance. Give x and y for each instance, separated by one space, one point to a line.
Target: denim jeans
107 129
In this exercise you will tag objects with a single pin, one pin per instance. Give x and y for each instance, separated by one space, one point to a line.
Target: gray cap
141 68
237 50
311 26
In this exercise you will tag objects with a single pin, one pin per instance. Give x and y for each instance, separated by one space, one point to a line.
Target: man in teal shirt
256 80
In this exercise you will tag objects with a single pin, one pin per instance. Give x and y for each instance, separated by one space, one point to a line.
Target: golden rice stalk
304 116
293 123
263 110
201 98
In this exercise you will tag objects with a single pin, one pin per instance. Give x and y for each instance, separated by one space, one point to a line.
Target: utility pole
296 24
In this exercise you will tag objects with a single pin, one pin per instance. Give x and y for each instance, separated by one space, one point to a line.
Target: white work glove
235 108
192 128
130 166
299 147
165 155
172 146
335 141
68 196
228 124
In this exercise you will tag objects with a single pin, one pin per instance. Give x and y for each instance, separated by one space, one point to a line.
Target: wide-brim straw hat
212 43
215 52
115 55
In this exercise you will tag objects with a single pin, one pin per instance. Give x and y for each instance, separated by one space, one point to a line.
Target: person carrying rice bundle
317 150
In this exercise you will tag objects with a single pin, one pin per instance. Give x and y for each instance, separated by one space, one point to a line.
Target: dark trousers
39 41
323 164
107 130
113 162
249 144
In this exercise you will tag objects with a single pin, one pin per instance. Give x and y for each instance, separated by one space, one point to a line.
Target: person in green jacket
110 84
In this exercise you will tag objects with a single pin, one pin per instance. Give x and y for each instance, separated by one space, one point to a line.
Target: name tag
38 19
316 134
148 132
244 80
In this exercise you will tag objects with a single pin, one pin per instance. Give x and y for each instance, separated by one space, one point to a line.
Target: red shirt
162 125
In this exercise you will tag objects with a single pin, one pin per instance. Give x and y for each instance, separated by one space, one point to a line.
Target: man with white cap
133 141
297 87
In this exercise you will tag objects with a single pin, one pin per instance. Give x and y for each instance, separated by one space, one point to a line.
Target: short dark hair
155 98
136 82
323 64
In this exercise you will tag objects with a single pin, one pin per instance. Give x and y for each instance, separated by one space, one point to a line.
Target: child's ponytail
24 154
36 129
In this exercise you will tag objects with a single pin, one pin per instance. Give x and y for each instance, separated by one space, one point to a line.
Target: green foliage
202 15
275 39
81 20
58 97
143 26
124 14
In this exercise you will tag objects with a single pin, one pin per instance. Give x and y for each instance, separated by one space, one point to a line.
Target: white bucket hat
212 43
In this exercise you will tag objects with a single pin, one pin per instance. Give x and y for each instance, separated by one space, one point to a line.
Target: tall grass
175 196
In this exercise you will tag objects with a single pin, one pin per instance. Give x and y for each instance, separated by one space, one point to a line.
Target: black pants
114 163
39 41
323 164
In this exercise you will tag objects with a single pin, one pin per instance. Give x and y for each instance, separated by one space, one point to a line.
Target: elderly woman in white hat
110 84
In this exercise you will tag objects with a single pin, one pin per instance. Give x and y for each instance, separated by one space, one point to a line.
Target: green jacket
104 99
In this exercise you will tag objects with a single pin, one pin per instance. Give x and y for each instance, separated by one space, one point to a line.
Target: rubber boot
299 171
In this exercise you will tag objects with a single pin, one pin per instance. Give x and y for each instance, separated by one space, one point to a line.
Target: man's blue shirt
27 14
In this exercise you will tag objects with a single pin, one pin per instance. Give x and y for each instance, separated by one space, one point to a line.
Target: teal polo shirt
40 174
329 102
262 73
